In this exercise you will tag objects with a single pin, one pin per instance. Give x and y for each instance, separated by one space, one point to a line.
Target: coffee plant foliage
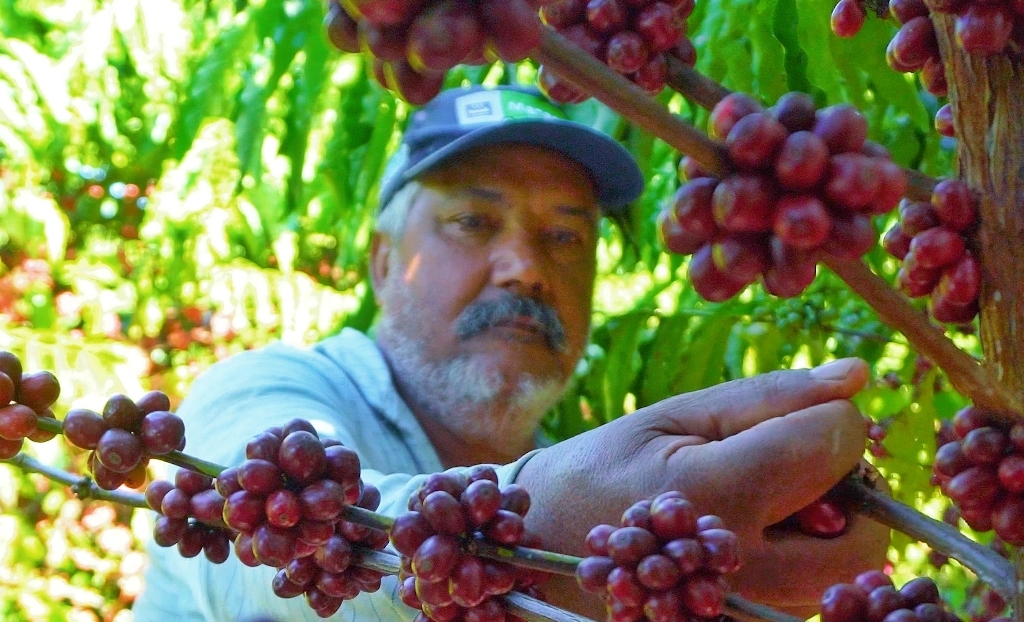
183 180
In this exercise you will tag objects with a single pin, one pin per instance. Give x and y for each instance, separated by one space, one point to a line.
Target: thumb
721 411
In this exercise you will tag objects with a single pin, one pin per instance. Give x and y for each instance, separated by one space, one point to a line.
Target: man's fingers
724 410
811 565
773 469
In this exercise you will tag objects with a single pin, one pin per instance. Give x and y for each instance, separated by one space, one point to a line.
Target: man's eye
566 236
472 222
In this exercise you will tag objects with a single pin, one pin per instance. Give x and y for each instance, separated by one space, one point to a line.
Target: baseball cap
461 119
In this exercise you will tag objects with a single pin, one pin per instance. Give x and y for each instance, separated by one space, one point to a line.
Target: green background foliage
183 180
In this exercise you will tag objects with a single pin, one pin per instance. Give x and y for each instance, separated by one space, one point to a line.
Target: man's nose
517 265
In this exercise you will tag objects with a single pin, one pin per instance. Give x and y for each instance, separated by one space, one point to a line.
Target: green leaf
662 359
766 342
289 34
768 54
702 360
814 34
785 22
375 156
622 360
867 51
310 79
205 90
910 441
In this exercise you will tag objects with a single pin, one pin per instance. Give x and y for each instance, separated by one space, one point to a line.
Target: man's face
494 274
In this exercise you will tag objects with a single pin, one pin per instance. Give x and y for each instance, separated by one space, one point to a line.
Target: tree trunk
987 95
988 103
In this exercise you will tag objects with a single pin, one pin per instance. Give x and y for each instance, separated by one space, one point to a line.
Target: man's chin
508 371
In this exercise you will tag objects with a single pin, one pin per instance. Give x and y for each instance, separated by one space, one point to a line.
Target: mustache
485 314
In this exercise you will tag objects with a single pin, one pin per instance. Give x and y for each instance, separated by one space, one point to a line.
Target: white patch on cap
481 107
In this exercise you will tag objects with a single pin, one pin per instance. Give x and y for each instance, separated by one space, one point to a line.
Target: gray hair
392 217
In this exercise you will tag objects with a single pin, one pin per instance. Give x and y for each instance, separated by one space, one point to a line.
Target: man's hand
752 451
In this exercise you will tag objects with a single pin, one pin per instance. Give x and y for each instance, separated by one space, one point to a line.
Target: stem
521 605
191 463
946 539
83 487
519 556
533 610
555 563
50 425
367 518
693 85
378 561
742 608
963 371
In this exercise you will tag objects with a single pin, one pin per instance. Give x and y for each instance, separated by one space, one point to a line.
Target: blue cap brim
613 171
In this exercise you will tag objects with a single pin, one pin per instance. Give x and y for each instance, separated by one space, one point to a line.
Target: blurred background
181 180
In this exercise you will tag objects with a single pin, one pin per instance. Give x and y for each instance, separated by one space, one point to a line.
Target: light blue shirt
343 386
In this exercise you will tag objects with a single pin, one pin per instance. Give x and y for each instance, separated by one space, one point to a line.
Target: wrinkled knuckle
772 385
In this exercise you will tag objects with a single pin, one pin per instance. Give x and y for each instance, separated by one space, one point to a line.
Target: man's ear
380 260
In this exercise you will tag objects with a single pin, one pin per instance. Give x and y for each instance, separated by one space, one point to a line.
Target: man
483 262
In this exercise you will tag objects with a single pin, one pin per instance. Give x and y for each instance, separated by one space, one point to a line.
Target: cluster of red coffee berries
23 399
414 42
448 511
190 516
633 37
286 501
662 563
805 181
872 597
124 437
983 473
930 239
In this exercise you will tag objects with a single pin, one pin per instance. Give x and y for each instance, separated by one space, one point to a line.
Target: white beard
464 397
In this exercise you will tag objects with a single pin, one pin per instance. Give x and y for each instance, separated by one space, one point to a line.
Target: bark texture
987 95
